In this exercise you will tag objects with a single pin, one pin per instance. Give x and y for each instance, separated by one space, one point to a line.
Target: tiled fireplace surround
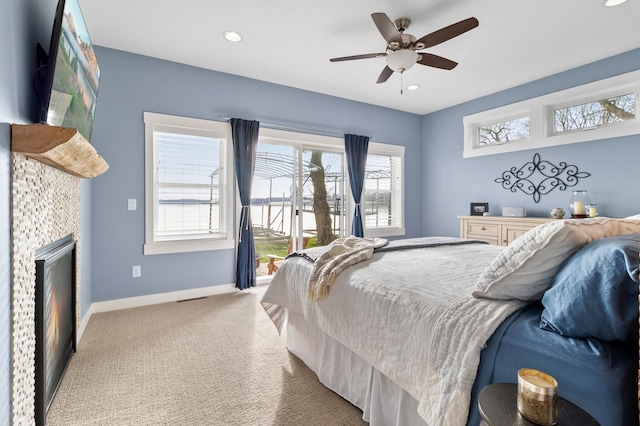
45 206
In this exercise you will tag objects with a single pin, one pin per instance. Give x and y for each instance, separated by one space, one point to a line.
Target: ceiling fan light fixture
401 60
232 36
611 3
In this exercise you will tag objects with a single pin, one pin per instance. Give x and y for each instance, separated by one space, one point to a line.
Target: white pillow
526 267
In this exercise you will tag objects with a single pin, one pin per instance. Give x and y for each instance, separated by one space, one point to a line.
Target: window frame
517 115
381 149
188 126
336 144
540 111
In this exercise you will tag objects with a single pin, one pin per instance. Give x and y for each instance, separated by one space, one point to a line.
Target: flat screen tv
67 81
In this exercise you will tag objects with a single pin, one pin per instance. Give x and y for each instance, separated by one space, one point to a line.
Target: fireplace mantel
61 147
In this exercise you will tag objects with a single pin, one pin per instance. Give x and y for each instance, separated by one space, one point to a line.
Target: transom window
594 114
600 110
504 131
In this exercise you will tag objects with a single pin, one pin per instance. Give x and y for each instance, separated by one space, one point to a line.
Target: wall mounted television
67 78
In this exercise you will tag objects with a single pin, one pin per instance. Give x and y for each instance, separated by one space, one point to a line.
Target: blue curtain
356 149
245 143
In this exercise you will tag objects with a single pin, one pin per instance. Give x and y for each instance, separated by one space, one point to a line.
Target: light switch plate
132 204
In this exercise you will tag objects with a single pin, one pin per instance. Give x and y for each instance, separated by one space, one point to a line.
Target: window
600 110
503 131
590 115
188 192
382 196
292 160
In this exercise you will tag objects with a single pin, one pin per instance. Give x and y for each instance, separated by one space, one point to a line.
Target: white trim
384 232
154 299
170 123
84 321
539 110
378 148
335 144
184 246
391 231
275 137
263 280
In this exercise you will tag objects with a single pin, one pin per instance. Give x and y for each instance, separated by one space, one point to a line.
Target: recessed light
611 3
233 36
413 87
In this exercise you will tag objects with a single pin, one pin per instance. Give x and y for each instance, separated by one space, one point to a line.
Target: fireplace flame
53 331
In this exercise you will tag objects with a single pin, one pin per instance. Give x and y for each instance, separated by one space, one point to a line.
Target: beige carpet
212 361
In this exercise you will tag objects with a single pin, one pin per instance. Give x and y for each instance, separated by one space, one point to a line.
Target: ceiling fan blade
388 30
447 33
384 75
436 61
365 56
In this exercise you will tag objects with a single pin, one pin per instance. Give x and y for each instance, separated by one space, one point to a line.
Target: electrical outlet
136 271
131 204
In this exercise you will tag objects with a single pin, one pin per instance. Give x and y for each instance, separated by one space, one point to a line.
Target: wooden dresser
497 230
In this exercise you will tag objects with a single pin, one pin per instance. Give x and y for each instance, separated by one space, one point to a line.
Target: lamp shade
401 60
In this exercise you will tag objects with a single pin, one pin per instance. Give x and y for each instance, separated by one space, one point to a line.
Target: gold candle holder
537 397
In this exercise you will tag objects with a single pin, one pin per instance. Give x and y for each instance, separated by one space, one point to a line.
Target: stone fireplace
45 207
55 319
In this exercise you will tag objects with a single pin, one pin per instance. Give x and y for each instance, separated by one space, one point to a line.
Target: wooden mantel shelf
61 147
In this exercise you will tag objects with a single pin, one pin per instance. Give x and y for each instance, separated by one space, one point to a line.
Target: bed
413 330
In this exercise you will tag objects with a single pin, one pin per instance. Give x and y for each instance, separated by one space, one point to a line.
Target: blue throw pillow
595 293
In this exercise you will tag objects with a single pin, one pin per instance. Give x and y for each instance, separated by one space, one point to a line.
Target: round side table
498 407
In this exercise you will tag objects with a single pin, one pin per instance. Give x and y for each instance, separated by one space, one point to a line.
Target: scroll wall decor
547 175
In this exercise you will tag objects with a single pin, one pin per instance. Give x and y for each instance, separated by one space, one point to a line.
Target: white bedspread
410 314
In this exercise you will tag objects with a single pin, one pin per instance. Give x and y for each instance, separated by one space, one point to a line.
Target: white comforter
410 314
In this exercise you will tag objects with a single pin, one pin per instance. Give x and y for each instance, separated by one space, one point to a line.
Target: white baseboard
153 299
84 321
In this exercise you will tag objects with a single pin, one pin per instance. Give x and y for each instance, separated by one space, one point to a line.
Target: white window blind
188 196
189 184
382 197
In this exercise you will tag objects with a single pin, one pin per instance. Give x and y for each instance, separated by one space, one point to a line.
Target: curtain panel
356 148
245 142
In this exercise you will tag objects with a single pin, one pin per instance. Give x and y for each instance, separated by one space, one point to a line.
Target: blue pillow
595 292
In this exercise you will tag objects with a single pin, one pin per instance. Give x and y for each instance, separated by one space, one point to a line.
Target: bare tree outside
504 131
594 114
321 207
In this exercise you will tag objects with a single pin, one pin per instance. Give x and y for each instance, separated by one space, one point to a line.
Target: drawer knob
483 229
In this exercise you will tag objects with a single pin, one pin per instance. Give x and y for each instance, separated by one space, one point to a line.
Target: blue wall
20 24
451 182
131 84
440 183
23 24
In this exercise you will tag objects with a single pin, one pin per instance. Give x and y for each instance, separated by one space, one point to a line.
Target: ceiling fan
402 49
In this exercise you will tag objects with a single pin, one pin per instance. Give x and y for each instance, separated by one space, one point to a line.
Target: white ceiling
289 42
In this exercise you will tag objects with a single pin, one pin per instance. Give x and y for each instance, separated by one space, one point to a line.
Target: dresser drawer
510 233
478 229
497 229
489 239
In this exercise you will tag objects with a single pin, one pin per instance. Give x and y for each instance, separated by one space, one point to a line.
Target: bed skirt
383 402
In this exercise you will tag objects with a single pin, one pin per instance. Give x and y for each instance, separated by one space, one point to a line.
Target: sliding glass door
297 200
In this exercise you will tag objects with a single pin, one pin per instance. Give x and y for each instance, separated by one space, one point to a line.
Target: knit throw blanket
340 254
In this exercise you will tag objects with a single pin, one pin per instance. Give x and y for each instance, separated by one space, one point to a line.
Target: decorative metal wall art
551 177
